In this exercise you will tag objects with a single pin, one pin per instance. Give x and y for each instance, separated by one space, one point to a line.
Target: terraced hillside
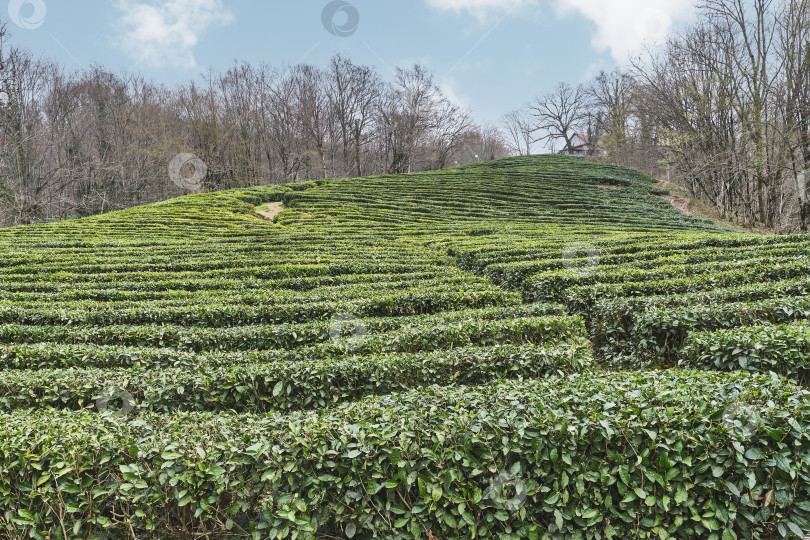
529 348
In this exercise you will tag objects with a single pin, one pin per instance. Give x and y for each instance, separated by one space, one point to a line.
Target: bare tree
354 91
75 144
560 114
314 109
450 122
519 131
611 102
794 46
26 175
726 104
409 114
482 143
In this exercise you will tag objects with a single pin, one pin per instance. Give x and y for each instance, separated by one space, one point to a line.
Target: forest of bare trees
91 141
722 108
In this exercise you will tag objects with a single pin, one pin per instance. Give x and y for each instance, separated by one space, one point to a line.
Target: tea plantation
529 348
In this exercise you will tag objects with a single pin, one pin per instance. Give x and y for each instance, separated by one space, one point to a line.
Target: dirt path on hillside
271 210
679 199
681 204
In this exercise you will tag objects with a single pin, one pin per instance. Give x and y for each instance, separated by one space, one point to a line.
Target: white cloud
163 33
625 26
477 8
622 26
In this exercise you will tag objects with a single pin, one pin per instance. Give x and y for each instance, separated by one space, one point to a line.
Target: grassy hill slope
532 347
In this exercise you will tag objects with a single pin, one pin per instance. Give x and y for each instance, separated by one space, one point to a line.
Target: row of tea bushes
782 349
461 326
385 390
657 335
282 386
649 454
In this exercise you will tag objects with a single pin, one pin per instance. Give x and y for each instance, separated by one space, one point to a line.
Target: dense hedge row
732 286
406 303
642 296
512 275
552 286
282 386
258 365
458 325
782 349
610 456
173 293
658 334
656 326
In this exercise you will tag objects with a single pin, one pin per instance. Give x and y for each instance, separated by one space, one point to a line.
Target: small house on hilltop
580 146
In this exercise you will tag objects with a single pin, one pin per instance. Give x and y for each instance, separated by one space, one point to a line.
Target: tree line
721 108
90 141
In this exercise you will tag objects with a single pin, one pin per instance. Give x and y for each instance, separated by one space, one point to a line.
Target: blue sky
489 55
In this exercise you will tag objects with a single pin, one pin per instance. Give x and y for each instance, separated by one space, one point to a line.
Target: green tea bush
659 334
282 386
782 349
374 363
594 456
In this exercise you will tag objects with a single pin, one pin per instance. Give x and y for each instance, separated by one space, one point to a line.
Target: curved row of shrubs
782 349
532 323
283 385
625 455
